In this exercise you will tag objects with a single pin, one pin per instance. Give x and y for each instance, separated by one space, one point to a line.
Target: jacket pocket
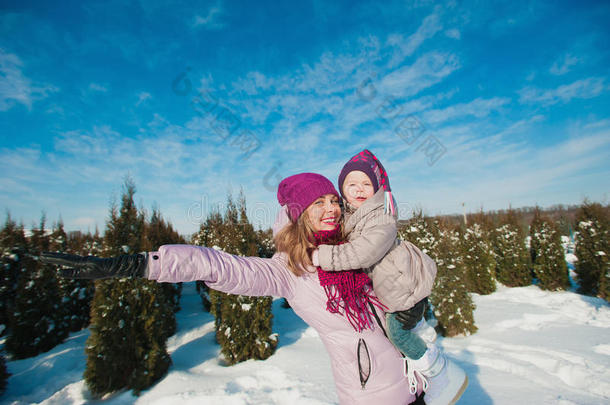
364 362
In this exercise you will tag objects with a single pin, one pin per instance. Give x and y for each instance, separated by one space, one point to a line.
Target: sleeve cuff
153 266
315 258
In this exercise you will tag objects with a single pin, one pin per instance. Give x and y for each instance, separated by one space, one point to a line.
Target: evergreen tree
453 306
85 244
39 240
76 294
550 266
36 321
13 247
221 304
535 227
4 375
592 249
127 346
243 324
451 303
485 221
80 292
210 235
604 282
266 246
512 256
424 233
159 233
479 261
58 239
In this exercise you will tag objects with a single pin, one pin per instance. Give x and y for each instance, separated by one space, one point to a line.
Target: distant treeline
563 215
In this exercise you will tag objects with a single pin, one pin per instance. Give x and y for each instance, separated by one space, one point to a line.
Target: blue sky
486 104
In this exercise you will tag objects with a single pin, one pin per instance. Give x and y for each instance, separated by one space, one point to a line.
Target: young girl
402 275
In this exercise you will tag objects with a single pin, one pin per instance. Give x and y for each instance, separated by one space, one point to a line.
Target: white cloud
405 47
17 88
585 88
427 70
252 83
520 126
302 109
211 20
478 108
453 33
143 96
604 123
97 87
564 64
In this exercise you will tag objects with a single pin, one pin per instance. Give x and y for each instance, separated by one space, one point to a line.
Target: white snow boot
425 332
443 381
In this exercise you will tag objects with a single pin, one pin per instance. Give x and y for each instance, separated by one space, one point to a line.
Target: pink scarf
349 292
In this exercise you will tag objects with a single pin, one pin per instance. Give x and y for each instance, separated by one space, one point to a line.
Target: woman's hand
92 267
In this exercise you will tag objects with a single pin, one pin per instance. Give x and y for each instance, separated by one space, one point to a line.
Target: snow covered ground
532 347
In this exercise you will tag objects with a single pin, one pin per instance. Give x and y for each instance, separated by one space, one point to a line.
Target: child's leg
443 381
407 341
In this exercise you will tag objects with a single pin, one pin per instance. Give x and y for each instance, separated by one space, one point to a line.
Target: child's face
357 188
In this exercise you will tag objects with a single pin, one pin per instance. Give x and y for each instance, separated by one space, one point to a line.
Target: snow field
551 343
532 347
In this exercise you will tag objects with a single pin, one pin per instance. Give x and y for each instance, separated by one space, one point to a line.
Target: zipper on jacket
364 370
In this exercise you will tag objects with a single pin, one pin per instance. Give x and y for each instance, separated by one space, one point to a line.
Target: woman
367 368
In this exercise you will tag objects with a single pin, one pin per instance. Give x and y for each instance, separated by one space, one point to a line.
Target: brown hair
296 240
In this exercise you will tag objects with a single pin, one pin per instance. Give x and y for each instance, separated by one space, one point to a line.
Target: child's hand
412 316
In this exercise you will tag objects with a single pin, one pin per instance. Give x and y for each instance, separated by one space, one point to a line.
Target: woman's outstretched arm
221 271
254 276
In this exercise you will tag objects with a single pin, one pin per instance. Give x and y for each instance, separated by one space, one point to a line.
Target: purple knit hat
299 191
368 163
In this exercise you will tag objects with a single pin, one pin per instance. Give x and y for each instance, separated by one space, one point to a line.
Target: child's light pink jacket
253 276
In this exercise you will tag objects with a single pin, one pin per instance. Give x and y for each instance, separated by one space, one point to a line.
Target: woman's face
324 213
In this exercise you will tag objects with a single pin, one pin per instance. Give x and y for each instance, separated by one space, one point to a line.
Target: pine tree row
38 310
130 319
473 258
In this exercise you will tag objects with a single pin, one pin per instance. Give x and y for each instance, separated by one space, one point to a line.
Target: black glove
92 267
412 316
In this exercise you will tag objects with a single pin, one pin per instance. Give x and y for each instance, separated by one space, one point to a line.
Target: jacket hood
281 220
